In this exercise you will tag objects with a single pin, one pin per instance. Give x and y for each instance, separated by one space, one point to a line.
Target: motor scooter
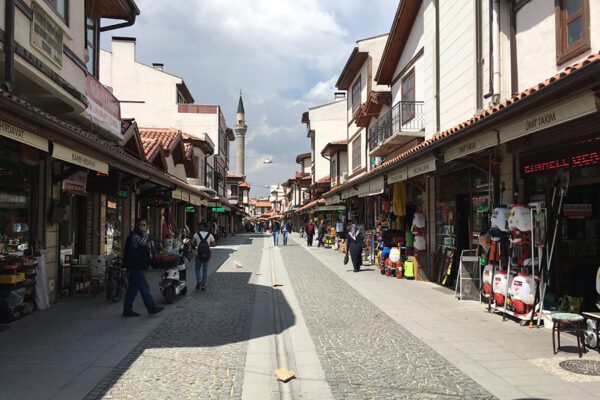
172 268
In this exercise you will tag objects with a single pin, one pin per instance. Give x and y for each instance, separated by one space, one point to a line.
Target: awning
330 208
398 175
21 135
422 167
77 158
335 199
346 194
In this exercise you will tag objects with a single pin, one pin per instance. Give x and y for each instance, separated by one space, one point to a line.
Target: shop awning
21 135
363 189
376 186
330 208
77 158
195 199
471 145
422 167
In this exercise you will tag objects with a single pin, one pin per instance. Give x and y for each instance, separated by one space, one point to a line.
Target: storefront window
114 226
15 200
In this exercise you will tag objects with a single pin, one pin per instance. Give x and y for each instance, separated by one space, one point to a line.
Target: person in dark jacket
354 246
136 259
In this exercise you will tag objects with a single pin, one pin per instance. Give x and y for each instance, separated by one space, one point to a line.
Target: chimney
158 66
123 49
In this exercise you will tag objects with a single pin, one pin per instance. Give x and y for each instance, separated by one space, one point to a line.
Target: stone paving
364 353
199 351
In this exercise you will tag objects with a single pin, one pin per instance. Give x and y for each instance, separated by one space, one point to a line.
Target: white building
157 99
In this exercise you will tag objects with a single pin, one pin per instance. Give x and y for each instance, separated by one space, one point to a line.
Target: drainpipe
494 51
437 66
9 45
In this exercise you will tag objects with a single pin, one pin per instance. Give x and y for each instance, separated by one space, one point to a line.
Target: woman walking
354 245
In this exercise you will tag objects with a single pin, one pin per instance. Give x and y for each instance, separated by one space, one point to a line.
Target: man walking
276 230
204 240
136 259
285 230
310 233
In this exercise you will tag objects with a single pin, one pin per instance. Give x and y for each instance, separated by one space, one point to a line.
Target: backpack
203 248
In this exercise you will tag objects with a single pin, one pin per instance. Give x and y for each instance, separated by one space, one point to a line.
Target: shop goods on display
522 291
501 283
488 273
500 218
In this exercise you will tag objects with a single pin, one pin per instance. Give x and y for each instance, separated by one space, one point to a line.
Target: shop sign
122 194
422 168
74 157
330 208
376 186
567 111
23 136
399 175
330 200
218 209
76 182
103 108
577 210
176 194
46 35
190 209
473 145
363 190
345 194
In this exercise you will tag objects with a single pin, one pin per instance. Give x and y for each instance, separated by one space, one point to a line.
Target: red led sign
575 161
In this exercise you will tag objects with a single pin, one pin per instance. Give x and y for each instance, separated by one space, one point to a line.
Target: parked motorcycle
173 270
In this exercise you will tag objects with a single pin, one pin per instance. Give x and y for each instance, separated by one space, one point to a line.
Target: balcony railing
405 116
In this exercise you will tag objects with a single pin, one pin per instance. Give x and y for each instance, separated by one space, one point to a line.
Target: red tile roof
245 185
263 204
167 136
312 204
151 146
492 110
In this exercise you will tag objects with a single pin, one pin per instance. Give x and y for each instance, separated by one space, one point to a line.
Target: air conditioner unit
344 177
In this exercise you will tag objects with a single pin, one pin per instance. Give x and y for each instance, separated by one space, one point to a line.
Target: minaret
240 129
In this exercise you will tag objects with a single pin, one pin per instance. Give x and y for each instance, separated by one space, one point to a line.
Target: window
356 145
91 45
334 178
408 96
222 142
61 7
209 176
572 29
356 89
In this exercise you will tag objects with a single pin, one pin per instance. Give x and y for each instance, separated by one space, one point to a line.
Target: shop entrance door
462 228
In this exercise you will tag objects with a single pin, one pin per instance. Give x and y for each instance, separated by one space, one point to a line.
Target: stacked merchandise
17 287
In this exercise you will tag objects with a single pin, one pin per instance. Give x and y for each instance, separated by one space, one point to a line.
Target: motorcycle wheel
115 289
170 294
184 291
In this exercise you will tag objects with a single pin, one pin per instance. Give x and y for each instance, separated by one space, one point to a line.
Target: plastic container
500 286
499 218
488 273
519 218
419 220
395 254
420 243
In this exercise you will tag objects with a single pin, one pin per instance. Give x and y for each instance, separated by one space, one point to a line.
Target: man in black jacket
136 259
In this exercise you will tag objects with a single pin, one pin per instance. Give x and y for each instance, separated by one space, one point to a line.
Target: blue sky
285 55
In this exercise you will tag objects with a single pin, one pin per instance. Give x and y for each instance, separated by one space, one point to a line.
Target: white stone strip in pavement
304 359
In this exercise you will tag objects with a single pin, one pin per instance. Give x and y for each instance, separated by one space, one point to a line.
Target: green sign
190 209
123 194
218 209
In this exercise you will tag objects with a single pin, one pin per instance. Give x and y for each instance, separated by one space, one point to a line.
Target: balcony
403 123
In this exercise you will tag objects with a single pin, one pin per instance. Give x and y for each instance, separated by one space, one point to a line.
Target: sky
284 55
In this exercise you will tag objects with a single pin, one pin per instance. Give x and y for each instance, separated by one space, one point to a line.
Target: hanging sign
176 194
103 108
122 194
376 186
567 111
218 209
195 200
399 175
23 136
74 157
76 182
345 194
422 168
158 201
473 145
190 209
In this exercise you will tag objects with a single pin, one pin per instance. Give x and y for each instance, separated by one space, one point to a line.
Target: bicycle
116 279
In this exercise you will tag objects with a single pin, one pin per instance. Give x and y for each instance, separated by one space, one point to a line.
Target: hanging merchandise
399 201
488 273
418 229
519 218
395 254
500 218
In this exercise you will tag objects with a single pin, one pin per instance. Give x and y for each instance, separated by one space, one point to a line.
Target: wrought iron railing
405 116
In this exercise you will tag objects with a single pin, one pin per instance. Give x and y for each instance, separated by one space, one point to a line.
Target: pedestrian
285 229
276 227
310 232
136 258
321 235
203 241
354 246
